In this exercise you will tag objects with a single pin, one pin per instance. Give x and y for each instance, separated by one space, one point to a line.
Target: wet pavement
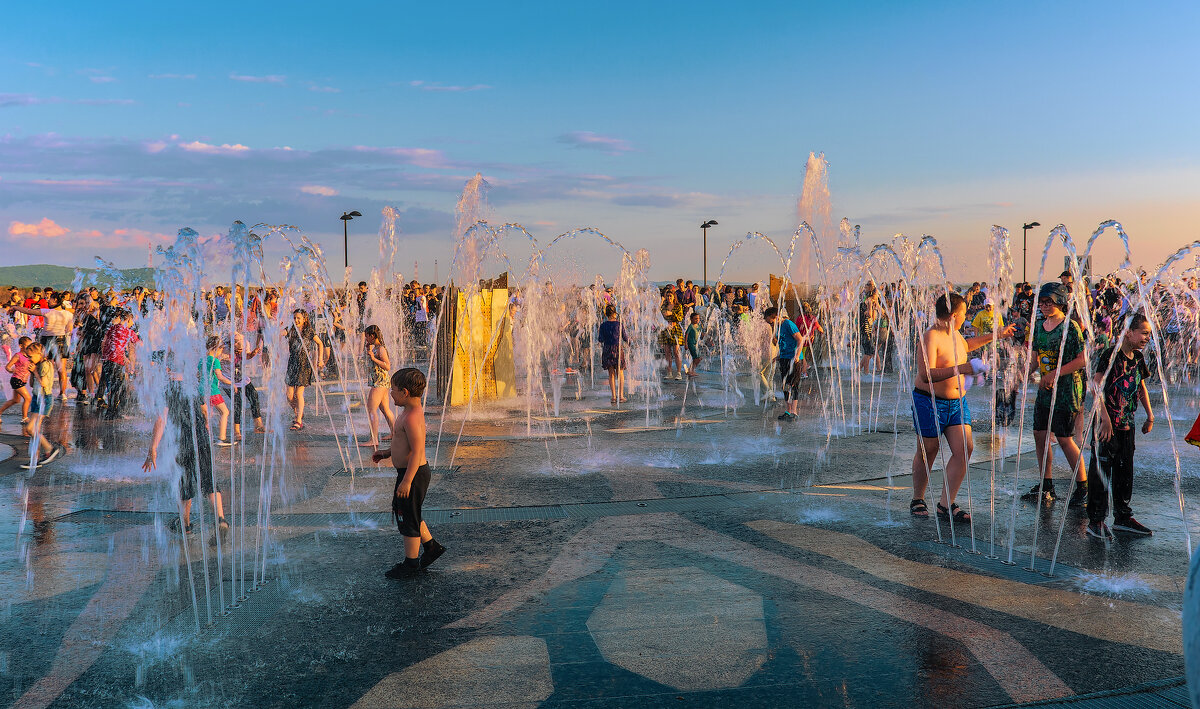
595 559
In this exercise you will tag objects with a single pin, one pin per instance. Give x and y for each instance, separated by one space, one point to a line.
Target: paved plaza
712 557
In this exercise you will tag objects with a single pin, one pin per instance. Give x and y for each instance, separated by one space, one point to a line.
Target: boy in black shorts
1058 345
407 451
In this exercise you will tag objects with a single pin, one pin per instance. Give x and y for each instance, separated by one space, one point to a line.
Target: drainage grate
1018 571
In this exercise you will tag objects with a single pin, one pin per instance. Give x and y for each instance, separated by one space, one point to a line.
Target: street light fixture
704 254
346 217
1025 246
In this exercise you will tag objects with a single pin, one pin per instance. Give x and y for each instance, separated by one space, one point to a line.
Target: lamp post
1025 246
704 253
346 217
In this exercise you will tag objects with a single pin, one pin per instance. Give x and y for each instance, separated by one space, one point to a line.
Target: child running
243 389
378 364
1120 378
612 353
41 386
211 378
1055 334
18 369
193 454
407 451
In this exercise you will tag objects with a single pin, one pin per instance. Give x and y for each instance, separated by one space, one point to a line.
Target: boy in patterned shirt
1120 379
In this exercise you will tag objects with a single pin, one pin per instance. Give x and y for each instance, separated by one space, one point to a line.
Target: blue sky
121 123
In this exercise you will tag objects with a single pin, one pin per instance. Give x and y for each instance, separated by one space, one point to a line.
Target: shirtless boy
407 451
939 407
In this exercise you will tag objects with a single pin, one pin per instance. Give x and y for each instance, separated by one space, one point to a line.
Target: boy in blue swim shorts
938 406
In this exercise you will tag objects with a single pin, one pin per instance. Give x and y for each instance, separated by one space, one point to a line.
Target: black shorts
1062 425
407 510
867 344
55 347
16 383
789 376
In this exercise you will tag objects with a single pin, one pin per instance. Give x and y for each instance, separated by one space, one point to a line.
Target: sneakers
786 416
1044 490
430 553
58 450
176 524
1079 495
1132 526
1099 530
404 569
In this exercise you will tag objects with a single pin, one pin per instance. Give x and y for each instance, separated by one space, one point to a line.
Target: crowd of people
86 343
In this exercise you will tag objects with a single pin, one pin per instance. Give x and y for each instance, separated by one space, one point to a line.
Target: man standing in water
939 407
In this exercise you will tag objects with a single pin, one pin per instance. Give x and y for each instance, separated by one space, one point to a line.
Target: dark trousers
112 387
1116 461
251 396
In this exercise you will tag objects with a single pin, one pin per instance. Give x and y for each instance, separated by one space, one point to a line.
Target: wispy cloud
45 228
225 149
321 190
98 76
14 100
266 79
588 140
439 88
171 76
324 89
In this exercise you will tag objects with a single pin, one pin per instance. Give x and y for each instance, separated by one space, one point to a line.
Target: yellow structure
483 366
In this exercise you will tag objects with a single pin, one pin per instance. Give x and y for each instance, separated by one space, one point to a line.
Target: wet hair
1137 320
411 379
361 284
610 311
372 331
945 308
770 312
32 347
213 342
694 316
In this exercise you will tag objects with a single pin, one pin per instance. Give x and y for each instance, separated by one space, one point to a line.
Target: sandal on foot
955 512
612 401
296 426
918 508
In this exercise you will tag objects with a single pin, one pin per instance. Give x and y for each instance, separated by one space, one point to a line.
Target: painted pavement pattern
617 568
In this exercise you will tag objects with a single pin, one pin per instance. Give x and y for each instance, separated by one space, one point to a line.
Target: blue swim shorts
932 420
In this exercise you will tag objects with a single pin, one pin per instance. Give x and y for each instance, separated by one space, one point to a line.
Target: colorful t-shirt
1122 385
1046 346
787 338
209 384
116 343
807 325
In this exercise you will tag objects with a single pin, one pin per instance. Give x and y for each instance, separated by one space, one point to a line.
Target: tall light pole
1025 246
346 217
704 253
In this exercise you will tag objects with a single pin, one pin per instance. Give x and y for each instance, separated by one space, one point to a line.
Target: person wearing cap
1060 353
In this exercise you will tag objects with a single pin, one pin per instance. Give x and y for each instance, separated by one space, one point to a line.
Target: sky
121 123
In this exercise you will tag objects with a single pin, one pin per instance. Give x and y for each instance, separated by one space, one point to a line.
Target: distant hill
61 277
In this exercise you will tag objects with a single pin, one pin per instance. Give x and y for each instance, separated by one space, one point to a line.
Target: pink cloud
319 190
46 228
